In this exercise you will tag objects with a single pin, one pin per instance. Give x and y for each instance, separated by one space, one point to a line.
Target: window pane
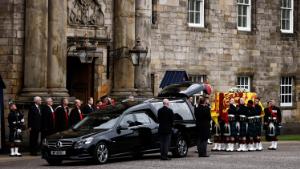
197 17
198 5
191 5
245 10
246 1
244 21
191 17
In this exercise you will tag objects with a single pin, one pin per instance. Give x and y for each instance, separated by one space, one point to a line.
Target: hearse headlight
84 142
88 140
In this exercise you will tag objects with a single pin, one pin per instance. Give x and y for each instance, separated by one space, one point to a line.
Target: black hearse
128 128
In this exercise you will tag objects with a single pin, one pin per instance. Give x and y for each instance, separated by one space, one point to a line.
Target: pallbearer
242 125
272 122
16 125
258 125
251 130
232 125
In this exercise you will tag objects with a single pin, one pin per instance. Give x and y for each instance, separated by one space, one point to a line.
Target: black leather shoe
205 155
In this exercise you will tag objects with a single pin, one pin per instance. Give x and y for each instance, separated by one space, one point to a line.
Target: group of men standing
45 120
242 124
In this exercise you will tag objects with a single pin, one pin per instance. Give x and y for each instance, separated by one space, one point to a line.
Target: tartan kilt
251 132
271 133
243 129
233 128
14 136
258 126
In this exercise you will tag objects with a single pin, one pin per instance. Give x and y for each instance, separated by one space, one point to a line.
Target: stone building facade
38 40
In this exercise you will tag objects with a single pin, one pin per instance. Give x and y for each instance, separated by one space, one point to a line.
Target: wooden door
80 81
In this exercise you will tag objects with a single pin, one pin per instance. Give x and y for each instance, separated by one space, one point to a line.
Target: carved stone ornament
86 13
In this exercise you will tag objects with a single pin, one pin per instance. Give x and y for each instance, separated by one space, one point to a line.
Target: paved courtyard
287 157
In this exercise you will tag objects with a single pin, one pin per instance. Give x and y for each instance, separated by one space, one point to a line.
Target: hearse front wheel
101 153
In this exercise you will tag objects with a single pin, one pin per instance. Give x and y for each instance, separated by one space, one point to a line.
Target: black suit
61 118
165 120
34 122
87 109
47 121
75 116
203 118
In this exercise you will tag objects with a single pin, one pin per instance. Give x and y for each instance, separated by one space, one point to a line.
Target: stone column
124 39
36 40
57 48
143 31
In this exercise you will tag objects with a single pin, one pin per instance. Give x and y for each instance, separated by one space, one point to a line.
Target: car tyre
101 153
181 147
54 162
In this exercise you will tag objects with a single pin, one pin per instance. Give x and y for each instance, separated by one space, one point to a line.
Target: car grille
60 144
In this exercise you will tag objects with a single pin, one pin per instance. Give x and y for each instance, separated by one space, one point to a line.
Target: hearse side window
127 121
142 118
180 108
181 111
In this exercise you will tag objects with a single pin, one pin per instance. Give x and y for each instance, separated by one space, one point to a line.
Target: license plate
58 153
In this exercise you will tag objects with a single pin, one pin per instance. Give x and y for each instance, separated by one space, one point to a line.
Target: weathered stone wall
222 52
11 46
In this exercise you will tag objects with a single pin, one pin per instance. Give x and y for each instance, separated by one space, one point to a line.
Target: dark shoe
165 159
205 155
12 155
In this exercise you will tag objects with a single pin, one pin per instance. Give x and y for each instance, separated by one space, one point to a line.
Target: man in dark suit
34 125
75 115
88 108
62 116
203 118
165 120
48 118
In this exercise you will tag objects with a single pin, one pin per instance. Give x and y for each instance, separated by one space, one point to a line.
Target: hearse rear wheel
181 147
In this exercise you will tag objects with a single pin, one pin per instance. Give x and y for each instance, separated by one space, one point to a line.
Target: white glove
22 120
19 130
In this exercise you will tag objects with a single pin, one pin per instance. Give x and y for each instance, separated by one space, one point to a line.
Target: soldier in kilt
242 125
251 130
272 124
16 125
258 125
231 133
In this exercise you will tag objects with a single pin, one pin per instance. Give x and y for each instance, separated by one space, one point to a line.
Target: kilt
14 136
251 130
272 132
243 129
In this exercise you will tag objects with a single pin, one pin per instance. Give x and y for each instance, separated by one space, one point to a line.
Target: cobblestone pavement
287 157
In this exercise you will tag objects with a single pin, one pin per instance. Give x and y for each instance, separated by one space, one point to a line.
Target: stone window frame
290 83
242 86
248 15
207 26
201 13
291 9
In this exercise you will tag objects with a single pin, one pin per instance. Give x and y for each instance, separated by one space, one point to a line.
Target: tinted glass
180 108
127 121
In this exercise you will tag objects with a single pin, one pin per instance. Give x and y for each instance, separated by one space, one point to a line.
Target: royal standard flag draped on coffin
220 104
